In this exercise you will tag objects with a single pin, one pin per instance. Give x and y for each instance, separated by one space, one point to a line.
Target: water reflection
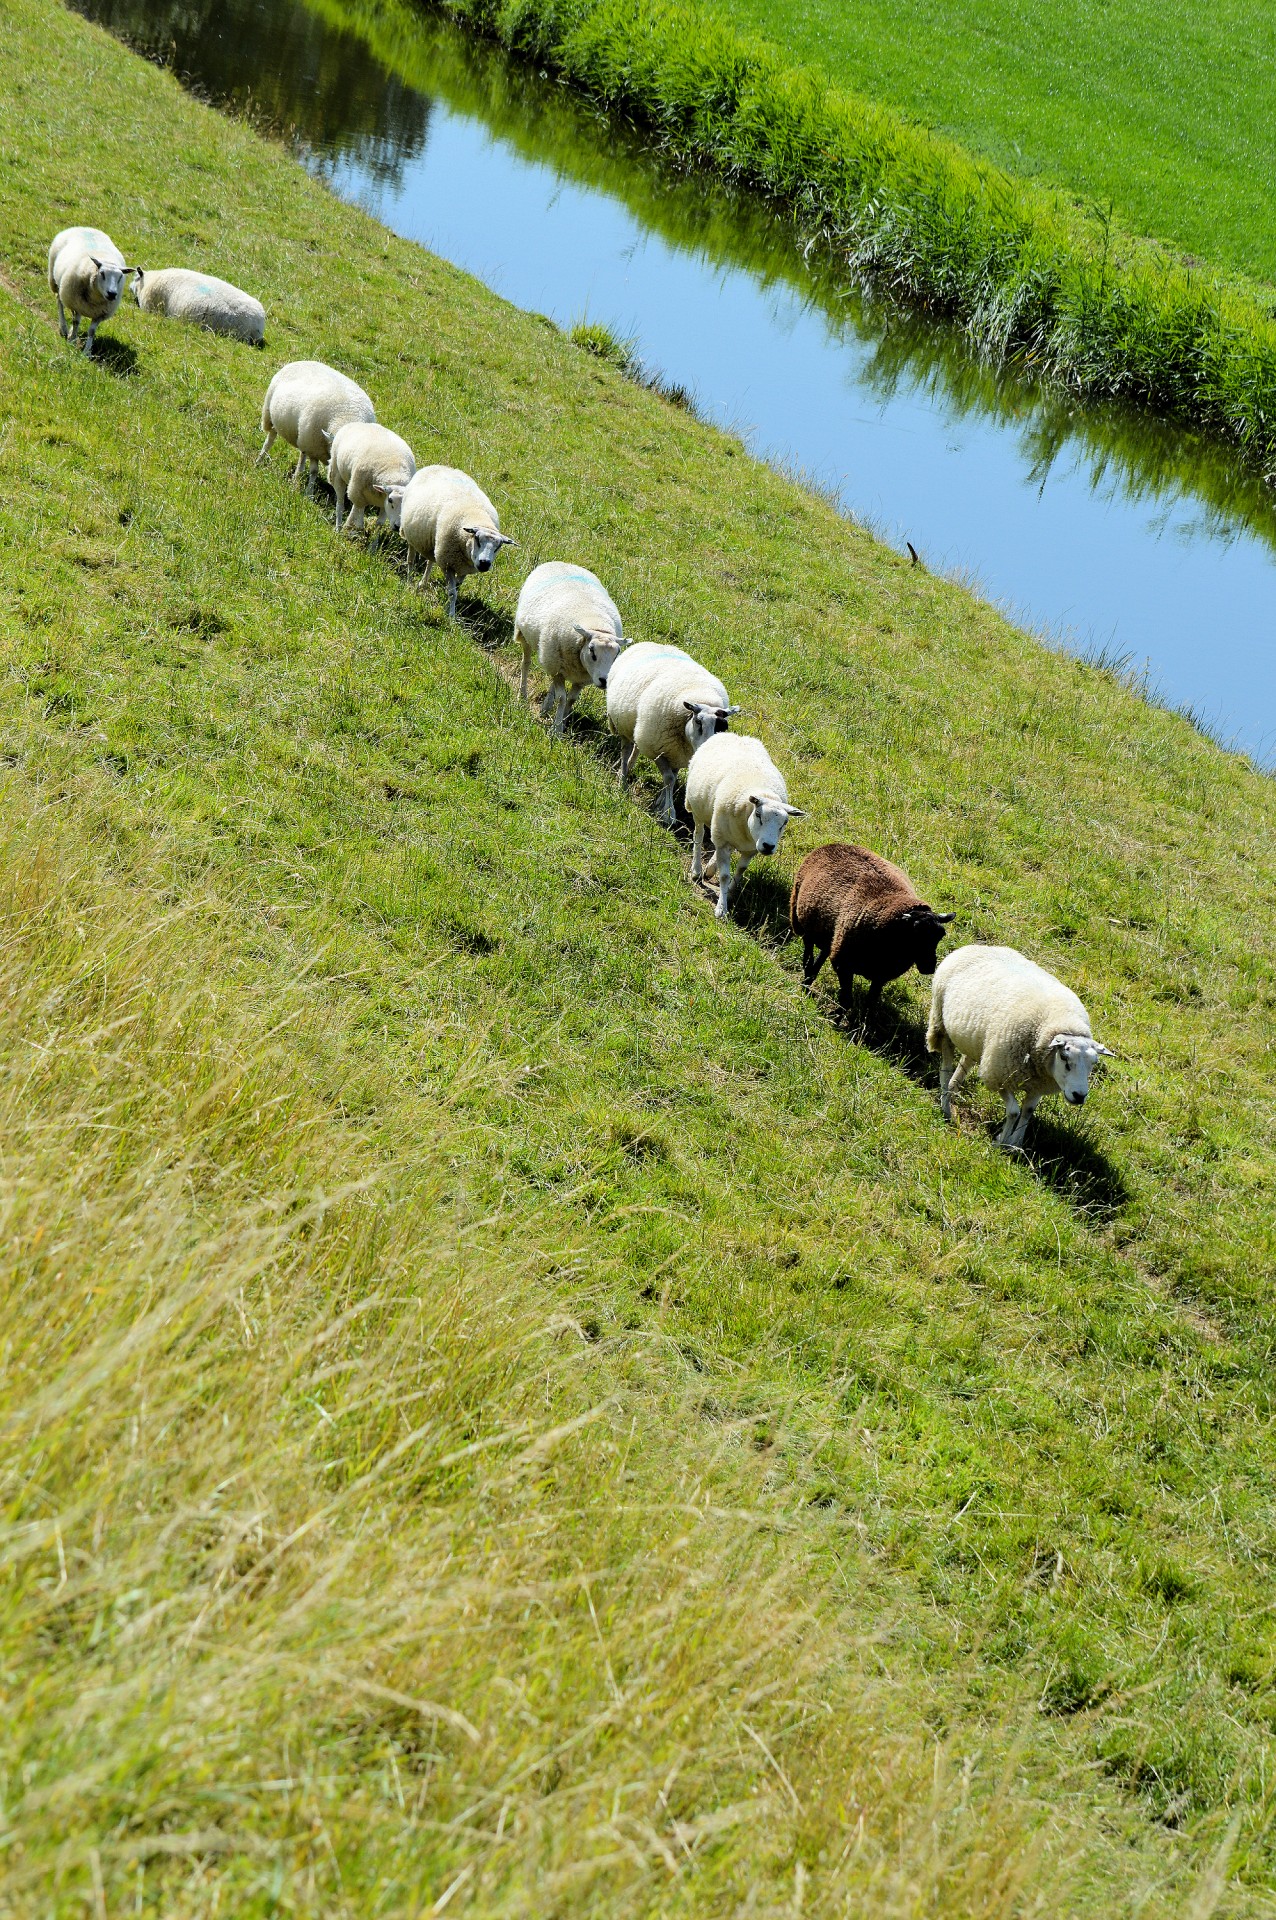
1116 532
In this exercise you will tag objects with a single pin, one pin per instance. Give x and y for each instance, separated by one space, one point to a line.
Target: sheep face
600 650
484 544
1072 1059
922 932
768 817
108 282
392 507
704 721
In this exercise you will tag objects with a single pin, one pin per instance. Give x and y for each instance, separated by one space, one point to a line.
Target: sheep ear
97 263
692 706
1106 1052
138 271
473 530
727 712
505 540
795 813
945 919
584 632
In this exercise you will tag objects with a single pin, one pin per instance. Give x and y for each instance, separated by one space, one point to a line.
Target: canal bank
1124 538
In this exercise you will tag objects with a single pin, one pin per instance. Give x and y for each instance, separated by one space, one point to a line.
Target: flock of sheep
992 1009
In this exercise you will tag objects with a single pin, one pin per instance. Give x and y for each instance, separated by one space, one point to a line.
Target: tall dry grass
343 1575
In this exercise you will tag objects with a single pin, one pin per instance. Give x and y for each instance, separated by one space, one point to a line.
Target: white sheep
567 618
448 519
180 293
369 467
1023 1031
87 274
736 793
305 404
663 705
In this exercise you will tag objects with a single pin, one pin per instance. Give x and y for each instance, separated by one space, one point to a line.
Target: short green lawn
1165 111
381 1101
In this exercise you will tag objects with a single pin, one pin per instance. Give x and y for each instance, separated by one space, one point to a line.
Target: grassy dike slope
382 1103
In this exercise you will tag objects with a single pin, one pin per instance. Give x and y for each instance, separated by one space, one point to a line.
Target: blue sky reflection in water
1064 517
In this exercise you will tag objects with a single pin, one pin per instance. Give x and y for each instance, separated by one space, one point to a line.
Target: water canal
1114 534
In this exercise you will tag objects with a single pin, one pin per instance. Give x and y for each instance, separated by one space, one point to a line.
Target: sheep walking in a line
370 469
87 275
305 404
180 293
735 793
448 519
568 620
856 910
1023 1031
663 705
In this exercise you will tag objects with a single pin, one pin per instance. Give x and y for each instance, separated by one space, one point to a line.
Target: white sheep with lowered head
567 618
305 404
1023 1031
663 705
370 468
182 293
448 519
87 274
735 793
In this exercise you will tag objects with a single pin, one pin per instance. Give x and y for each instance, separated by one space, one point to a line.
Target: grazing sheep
87 274
370 467
448 519
180 293
855 909
663 705
1023 1031
737 793
567 618
305 404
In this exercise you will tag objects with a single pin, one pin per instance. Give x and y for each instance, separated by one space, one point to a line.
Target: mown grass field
508 1406
1163 112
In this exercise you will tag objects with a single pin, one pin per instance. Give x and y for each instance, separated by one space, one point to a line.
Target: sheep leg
75 327
812 961
558 709
299 470
340 493
527 661
1029 1108
270 441
668 805
1009 1135
62 327
89 338
722 868
697 853
952 1072
627 752
354 520
453 583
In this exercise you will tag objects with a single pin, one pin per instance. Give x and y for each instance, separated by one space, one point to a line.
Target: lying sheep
449 520
853 908
180 293
737 794
1023 1031
87 273
370 467
305 404
567 618
663 705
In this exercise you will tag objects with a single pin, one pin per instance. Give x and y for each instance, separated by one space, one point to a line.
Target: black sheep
854 908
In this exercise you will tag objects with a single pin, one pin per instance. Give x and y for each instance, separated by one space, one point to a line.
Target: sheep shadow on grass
1064 1159
115 357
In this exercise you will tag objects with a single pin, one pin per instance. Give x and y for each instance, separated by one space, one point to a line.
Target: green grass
503 1398
1164 111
